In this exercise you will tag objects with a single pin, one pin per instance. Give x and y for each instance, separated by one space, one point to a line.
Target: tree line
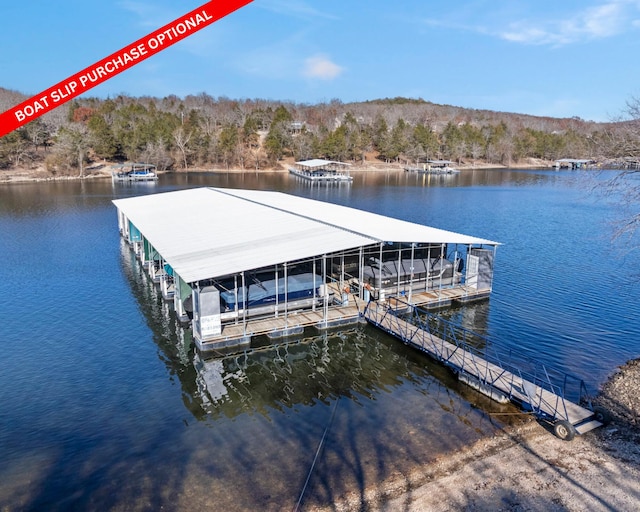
205 132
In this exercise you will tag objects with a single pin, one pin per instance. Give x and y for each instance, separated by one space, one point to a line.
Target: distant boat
322 171
130 172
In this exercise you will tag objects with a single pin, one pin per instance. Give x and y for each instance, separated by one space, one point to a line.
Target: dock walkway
291 324
295 321
490 378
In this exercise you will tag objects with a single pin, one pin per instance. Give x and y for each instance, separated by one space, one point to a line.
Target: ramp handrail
437 336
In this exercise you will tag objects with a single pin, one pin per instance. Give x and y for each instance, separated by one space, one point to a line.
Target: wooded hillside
206 132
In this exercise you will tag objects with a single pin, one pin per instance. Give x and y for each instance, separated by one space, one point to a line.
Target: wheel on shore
564 430
602 415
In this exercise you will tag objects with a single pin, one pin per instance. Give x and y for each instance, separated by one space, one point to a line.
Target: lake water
106 406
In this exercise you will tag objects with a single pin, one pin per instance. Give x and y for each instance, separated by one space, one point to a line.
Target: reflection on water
385 406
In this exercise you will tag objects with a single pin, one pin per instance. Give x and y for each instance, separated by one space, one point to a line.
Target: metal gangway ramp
469 356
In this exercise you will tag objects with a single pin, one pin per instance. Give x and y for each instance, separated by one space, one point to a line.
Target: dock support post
413 249
398 269
342 272
276 281
286 297
244 306
380 292
325 312
313 304
177 298
361 273
235 292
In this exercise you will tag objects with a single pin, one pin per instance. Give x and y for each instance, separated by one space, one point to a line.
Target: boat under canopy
265 290
134 171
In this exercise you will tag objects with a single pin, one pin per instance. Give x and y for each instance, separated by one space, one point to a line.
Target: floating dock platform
293 323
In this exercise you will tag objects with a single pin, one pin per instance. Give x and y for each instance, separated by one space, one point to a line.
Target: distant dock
322 171
134 172
574 163
434 167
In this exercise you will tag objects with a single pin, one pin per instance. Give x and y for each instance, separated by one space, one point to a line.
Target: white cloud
320 66
606 20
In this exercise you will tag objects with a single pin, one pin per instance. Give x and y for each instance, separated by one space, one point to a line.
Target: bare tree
72 145
624 187
476 151
182 138
38 133
156 154
14 149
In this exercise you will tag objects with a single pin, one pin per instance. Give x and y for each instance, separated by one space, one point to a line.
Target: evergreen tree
101 138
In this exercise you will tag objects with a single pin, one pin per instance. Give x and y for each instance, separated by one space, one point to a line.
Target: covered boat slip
239 263
434 167
134 171
322 171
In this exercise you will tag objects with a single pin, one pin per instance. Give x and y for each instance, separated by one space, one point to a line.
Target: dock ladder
549 394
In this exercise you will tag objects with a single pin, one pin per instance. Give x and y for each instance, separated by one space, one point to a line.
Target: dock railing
520 378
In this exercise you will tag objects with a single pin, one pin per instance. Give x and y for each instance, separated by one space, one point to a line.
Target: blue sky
559 58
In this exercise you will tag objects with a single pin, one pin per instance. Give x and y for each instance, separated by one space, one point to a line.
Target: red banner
116 63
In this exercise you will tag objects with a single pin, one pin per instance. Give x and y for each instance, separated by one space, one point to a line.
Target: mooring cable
315 458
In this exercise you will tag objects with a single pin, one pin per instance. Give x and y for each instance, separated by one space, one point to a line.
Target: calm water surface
106 406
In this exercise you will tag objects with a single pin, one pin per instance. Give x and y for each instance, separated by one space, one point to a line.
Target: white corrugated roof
378 227
209 232
318 162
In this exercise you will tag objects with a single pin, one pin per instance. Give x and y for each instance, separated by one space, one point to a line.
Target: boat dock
434 167
574 163
134 172
232 257
322 171
488 373
243 263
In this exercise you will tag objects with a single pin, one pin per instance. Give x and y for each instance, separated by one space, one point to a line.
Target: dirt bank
527 468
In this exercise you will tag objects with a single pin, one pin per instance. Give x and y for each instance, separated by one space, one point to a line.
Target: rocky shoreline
526 468
620 395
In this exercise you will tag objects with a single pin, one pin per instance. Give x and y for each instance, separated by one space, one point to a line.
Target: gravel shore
526 468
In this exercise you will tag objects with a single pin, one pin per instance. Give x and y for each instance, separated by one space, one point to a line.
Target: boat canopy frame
182 231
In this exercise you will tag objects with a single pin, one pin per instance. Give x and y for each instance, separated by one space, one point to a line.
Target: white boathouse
241 263
322 171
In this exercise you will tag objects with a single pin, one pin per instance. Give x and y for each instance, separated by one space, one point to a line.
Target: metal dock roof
209 232
378 227
319 162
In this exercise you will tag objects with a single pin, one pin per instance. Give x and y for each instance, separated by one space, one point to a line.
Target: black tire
564 430
602 415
